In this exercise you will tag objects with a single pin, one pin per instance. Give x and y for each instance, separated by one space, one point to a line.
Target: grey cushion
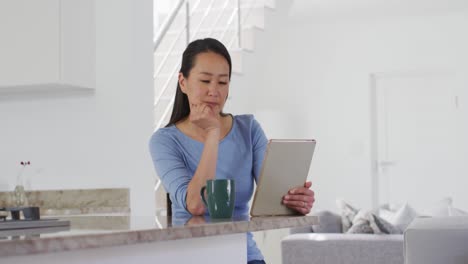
384 226
348 213
329 223
360 226
366 222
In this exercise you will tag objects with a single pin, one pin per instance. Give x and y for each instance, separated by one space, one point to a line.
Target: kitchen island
144 240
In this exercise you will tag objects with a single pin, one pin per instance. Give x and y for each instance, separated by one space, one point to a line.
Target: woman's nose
213 89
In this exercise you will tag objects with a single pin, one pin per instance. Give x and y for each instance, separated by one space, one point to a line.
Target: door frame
376 177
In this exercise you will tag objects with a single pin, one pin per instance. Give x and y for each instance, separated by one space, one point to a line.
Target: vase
20 198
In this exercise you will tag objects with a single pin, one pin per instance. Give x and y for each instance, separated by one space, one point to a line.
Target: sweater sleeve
170 167
259 144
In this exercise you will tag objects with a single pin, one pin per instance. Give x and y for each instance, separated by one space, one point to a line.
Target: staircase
234 22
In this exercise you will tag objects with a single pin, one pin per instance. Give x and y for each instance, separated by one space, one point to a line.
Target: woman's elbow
196 210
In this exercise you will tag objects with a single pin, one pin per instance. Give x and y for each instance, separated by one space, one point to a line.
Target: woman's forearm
206 170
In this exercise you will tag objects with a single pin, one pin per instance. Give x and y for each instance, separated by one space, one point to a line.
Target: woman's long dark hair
181 107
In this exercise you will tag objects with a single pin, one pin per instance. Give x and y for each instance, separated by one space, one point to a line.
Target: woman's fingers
301 210
300 198
304 204
201 110
301 207
203 116
301 191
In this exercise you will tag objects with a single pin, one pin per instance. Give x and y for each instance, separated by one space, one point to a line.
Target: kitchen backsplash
75 202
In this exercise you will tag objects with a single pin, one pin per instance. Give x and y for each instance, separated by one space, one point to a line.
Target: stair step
244 3
198 19
247 37
166 98
161 81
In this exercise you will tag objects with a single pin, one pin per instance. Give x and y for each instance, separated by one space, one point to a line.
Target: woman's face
208 81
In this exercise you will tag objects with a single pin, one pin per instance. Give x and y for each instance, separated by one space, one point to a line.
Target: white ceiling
342 9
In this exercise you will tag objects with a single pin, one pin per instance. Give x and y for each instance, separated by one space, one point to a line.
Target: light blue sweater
240 156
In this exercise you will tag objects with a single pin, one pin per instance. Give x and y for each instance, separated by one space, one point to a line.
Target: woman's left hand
300 199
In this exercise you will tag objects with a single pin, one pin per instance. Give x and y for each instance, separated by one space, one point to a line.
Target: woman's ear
182 83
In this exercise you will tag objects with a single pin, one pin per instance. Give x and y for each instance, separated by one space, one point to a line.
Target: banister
167 24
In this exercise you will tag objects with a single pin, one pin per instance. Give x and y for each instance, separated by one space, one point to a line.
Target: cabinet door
30 42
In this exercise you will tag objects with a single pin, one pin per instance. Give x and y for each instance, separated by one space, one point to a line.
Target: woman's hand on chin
205 117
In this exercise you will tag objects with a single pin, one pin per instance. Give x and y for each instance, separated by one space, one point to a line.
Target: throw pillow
457 212
440 208
360 224
347 214
365 222
401 218
380 226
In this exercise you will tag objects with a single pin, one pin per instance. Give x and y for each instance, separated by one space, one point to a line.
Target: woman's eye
223 83
206 81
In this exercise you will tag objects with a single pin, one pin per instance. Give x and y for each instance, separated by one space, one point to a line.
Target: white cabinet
47 45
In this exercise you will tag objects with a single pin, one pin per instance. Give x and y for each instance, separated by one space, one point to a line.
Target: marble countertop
113 230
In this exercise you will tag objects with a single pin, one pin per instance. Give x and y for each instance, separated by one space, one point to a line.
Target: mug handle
202 193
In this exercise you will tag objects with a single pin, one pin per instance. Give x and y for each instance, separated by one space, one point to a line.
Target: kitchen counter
103 231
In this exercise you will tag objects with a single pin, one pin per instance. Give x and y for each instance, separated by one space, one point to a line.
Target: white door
420 141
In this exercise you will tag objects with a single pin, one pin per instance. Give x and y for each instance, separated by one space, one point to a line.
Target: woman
201 142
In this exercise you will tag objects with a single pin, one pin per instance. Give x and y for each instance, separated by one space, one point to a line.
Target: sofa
325 243
437 240
373 236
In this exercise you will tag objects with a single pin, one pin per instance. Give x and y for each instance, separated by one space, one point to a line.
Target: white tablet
286 165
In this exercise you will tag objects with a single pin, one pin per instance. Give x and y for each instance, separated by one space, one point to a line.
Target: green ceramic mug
220 197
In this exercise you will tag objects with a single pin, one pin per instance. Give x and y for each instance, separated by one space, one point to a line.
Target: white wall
307 78
312 80
91 140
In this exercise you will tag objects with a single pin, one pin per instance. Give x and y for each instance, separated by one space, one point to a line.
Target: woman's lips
212 104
